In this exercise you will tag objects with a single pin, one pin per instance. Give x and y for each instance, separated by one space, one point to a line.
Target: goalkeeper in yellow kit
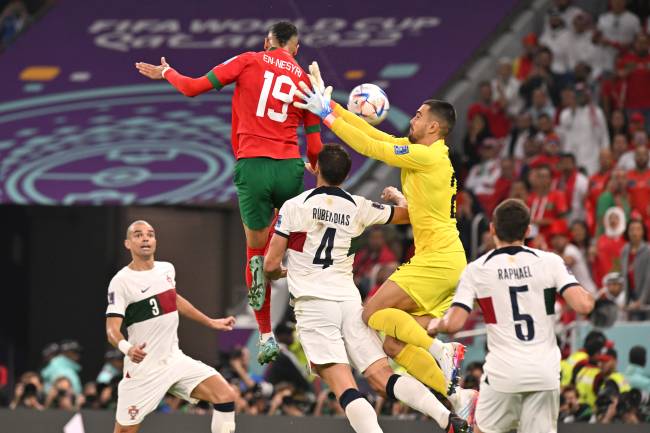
424 287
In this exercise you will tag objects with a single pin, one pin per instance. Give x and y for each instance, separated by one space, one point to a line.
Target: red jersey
264 120
638 185
496 118
551 206
638 87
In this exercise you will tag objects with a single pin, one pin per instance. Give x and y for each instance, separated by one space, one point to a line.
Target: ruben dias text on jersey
514 273
332 217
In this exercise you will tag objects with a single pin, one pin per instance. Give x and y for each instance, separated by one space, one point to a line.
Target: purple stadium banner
79 125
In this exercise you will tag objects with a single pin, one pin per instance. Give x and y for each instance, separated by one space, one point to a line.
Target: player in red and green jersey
269 169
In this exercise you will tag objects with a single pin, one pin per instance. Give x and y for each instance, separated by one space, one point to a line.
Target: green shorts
264 184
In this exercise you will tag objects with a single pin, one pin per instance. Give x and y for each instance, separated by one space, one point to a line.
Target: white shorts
529 412
332 332
140 395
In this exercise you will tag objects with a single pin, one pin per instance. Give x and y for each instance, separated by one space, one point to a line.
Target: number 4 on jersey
326 244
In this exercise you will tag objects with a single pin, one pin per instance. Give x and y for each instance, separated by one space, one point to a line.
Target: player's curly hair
283 31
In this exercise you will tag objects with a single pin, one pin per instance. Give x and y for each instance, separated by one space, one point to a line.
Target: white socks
362 416
360 413
415 395
223 418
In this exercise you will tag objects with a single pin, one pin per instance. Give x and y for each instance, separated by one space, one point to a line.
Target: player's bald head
137 225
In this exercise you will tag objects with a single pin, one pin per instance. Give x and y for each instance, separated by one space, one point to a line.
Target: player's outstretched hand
315 78
152 71
314 101
225 324
136 353
393 195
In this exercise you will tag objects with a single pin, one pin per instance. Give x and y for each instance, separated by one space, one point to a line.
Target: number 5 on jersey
285 97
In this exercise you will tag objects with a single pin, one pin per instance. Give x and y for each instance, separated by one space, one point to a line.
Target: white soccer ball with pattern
369 102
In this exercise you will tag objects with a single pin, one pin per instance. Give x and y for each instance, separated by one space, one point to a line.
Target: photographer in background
28 392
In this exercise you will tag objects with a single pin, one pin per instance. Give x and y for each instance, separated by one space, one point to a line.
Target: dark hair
569 155
445 112
511 219
543 115
594 342
334 164
638 356
283 31
626 236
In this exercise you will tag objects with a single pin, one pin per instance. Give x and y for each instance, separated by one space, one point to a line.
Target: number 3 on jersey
285 97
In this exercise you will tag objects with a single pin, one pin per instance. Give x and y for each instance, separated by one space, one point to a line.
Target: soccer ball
369 102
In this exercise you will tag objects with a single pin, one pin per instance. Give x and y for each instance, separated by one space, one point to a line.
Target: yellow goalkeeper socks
400 325
420 364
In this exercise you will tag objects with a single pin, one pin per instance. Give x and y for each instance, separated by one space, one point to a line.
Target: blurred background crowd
564 126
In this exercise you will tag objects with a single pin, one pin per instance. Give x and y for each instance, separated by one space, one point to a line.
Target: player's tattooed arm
186 309
273 259
135 352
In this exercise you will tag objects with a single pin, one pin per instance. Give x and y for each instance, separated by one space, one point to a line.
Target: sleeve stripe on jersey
567 286
115 315
461 305
390 217
214 80
279 233
311 129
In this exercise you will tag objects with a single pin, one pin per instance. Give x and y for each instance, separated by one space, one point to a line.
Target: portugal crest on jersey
133 411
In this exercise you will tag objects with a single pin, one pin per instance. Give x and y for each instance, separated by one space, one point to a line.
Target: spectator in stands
637 124
557 37
635 372
112 368
573 258
627 161
571 410
597 184
468 208
505 88
482 178
503 184
615 195
49 352
621 152
477 132
582 48
375 252
617 123
550 155
541 105
617 28
287 368
639 182
541 76
612 91
580 238
583 129
493 110
546 204
635 263
523 65
65 365
634 67
522 131
13 19
610 244
613 291
574 184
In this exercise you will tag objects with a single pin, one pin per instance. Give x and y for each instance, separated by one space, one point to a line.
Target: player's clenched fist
136 353
225 324
393 195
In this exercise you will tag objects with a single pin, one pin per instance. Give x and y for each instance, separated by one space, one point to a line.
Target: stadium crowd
564 127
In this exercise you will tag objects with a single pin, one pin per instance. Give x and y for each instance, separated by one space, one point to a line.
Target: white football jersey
147 302
321 225
515 288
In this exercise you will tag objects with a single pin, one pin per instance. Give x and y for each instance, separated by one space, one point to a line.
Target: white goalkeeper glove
317 100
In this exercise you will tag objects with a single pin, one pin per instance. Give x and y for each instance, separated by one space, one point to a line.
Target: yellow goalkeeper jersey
428 179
